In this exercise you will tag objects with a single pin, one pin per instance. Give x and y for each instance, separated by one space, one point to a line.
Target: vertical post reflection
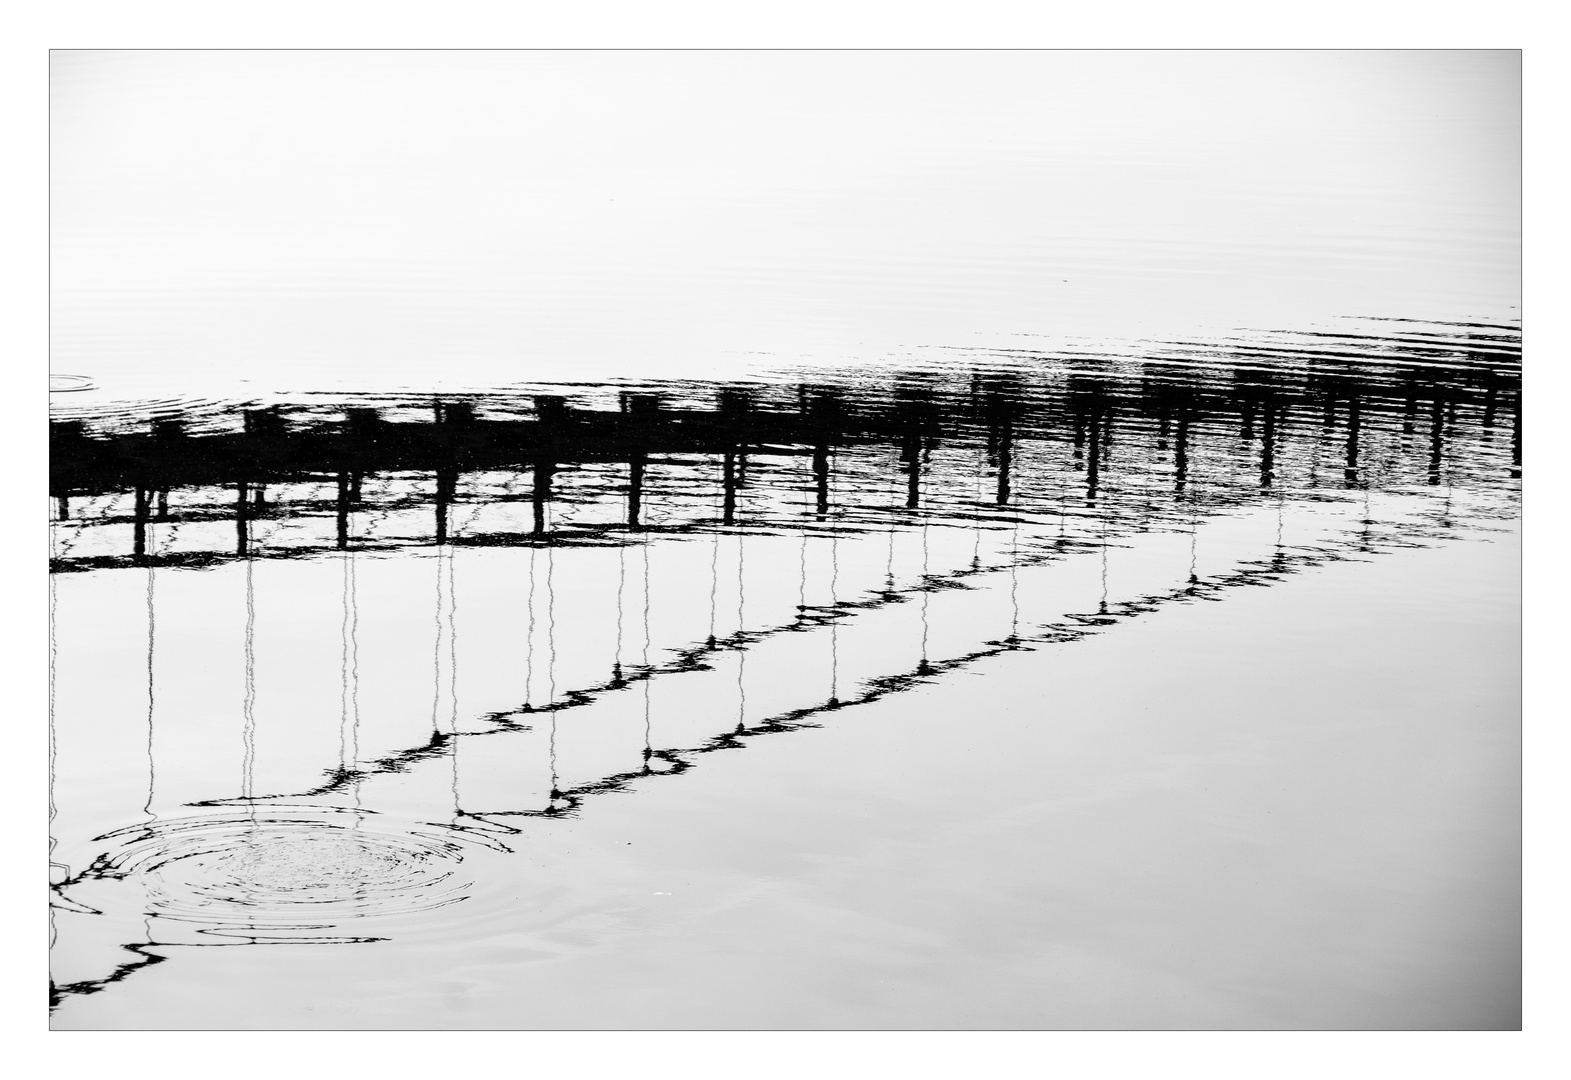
152 624
1006 457
1350 474
343 511
139 524
728 488
821 478
1268 446
242 529
248 702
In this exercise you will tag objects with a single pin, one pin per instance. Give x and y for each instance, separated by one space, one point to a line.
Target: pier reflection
346 646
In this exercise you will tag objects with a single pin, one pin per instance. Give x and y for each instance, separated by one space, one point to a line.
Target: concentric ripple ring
295 869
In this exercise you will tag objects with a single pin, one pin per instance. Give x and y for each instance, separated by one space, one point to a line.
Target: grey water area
1068 692
774 540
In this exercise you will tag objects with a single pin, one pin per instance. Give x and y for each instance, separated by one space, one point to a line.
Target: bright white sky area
277 221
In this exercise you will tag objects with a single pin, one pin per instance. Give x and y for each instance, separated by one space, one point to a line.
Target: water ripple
302 869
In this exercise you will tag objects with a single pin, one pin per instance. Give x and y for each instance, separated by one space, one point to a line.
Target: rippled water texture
785 541
297 871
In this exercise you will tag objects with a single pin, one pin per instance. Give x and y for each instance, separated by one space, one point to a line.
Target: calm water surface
910 554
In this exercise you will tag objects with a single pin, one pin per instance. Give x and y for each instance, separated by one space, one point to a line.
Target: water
1138 670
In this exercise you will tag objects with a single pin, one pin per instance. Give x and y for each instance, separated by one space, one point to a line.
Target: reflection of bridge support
911 454
270 467
1516 434
343 511
823 412
1268 446
1354 420
1093 431
453 421
821 478
552 412
139 524
728 488
635 490
242 530
541 493
999 409
643 411
1006 455
446 487
362 431
265 433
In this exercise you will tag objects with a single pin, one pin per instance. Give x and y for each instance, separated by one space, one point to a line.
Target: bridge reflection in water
313 665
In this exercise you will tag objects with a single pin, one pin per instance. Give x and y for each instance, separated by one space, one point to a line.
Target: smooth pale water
1070 579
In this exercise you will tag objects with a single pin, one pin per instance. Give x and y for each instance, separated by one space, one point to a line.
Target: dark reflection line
834 604
550 625
889 562
1516 434
345 636
248 706
529 641
1063 505
976 497
1104 564
58 992
152 770
452 663
643 666
354 657
922 664
1014 579
353 757
621 588
54 652
1276 558
1436 441
242 526
550 671
741 634
1354 420
801 577
1268 447
643 661
1073 628
714 585
436 650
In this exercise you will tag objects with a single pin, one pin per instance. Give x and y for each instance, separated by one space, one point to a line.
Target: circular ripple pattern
302 869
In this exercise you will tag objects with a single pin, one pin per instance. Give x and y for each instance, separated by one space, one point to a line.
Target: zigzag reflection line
691 659
1075 627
